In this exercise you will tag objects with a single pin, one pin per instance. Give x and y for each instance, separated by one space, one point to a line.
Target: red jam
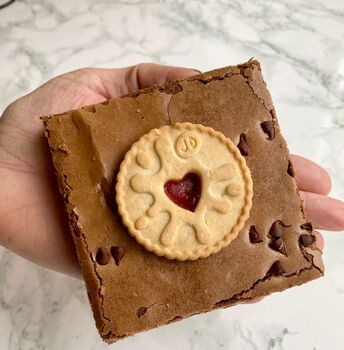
185 192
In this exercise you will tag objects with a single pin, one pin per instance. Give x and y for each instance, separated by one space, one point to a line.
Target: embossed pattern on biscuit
164 227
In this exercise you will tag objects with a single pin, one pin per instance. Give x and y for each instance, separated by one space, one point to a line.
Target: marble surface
300 45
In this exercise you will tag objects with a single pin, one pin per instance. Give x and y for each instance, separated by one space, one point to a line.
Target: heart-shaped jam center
185 192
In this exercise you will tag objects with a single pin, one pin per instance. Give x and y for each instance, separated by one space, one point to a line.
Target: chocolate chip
278 246
254 235
307 226
276 229
106 187
141 311
117 253
306 240
276 269
290 169
269 129
102 256
243 146
276 234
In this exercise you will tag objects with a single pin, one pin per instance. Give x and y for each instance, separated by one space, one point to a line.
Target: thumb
130 79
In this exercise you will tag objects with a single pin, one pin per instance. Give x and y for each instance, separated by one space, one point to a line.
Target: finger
118 82
319 240
310 176
325 213
148 74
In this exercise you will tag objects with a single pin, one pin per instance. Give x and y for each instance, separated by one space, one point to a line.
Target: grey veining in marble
300 45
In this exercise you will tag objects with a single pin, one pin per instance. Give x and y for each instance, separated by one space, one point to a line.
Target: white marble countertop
300 46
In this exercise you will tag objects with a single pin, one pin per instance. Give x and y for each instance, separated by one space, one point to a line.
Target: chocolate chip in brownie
278 246
102 256
105 187
307 226
306 240
243 146
276 234
255 237
141 311
117 252
276 229
276 269
290 169
269 129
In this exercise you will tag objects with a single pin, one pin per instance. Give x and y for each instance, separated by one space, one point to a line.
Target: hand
32 219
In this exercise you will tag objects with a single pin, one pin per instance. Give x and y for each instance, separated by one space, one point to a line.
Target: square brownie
131 289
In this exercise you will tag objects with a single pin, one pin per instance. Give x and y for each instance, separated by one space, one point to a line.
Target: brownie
131 289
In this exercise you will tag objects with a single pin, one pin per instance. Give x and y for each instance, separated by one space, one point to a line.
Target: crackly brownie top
132 289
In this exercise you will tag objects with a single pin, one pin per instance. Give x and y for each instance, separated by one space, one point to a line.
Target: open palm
32 221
